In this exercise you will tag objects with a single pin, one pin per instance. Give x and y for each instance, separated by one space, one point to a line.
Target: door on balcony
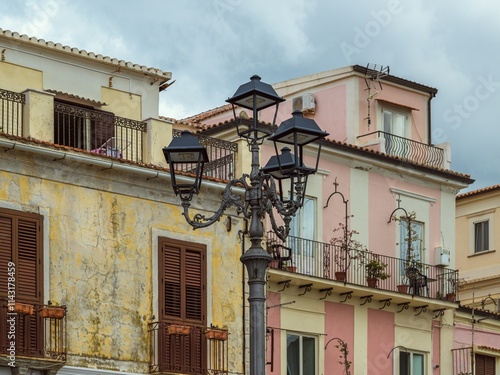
302 232
396 131
182 301
84 128
21 254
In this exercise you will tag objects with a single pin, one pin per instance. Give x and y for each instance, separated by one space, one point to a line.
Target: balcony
221 156
404 148
98 131
11 112
37 331
323 260
187 349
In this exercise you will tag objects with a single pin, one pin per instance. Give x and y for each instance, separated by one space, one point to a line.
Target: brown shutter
182 298
172 280
28 261
5 252
21 243
194 284
485 365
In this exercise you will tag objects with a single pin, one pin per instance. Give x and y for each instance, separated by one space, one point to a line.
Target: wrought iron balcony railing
221 155
98 131
324 260
407 149
187 349
36 331
11 112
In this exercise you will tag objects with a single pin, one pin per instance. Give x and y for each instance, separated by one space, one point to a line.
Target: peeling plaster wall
99 243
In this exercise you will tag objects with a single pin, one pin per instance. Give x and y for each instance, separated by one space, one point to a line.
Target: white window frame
485 217
391 128
412 354
403 234
301 352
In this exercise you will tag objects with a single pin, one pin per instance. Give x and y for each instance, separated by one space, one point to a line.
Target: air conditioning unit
442 256
304 102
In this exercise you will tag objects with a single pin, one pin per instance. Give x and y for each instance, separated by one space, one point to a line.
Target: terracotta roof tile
479 191
90 55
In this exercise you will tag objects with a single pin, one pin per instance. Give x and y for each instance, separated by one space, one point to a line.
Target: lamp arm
271 201
228 199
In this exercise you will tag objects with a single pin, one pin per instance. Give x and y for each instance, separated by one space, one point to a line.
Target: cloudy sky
212 46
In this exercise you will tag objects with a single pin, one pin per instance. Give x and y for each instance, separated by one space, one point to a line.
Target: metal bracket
386 302
404 306
367 299
348 295
286 285
439 312
307 288
327 291
420 309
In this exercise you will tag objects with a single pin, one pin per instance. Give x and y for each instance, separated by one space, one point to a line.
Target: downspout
429 125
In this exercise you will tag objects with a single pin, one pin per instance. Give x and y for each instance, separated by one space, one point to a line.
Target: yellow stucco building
90 228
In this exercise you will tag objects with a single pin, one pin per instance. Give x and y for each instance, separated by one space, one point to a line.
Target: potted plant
375 270
216 333
291 268
411 267
178 329
52 312
275 263
346 249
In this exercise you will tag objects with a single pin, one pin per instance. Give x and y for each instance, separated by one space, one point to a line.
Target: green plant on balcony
375 270
411 265
347 250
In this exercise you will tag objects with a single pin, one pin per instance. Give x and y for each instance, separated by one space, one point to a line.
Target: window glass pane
308 351
417 235
481 236
418 364
404 363
293 355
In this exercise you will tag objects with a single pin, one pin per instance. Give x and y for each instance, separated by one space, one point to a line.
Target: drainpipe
429 127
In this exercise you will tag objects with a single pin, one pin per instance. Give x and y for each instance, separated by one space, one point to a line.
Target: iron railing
408 149
221 156
325 260
98 131
37 331
187 349
11 112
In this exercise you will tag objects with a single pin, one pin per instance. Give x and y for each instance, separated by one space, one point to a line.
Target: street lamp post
263 189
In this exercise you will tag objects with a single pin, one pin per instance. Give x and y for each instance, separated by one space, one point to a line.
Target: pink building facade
379 176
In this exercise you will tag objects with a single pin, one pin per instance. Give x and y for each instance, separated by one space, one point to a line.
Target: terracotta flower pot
451 297
24 308
292 269
216 334
403 288
52 312
340 275
275 263
176 329
372 282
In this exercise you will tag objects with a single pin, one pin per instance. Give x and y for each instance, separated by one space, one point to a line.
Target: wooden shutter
182 279
172 280
485 365
5 252
182 299
194 285
21 243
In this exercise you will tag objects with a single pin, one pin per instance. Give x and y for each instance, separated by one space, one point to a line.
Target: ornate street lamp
261 195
